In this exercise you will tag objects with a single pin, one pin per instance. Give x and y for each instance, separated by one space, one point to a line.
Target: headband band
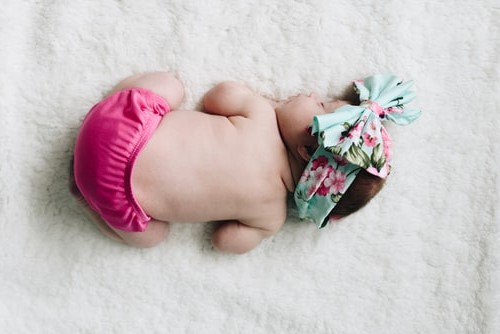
350 139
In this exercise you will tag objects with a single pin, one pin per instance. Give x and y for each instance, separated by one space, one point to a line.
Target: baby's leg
94 216
163 84
155 232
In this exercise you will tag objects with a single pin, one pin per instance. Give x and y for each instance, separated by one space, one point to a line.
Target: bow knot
375 107
350 139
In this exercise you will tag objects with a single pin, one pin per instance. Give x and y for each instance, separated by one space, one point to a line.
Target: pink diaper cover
111 137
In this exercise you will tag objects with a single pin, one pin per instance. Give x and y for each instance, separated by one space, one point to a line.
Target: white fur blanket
422 257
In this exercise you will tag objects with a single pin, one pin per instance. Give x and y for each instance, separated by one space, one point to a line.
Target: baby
140 162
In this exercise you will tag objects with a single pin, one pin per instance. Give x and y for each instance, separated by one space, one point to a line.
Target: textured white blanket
423 257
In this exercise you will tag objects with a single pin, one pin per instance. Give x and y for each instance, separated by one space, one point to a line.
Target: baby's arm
233 99
236 237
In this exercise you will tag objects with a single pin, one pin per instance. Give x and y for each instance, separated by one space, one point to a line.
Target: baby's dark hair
364 187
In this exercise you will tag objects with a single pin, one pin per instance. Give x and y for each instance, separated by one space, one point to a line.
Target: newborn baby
140 162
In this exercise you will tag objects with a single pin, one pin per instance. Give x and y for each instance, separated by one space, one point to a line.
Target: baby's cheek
334 105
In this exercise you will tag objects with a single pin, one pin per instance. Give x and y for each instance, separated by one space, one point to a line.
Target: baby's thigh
164 84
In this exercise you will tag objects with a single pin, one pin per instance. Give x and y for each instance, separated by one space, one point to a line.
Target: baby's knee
167 85
146 241
155 233
164 84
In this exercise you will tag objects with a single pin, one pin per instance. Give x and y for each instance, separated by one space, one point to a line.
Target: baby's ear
336 217
304 152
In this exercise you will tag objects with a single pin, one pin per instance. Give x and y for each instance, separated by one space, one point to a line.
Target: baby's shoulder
259 108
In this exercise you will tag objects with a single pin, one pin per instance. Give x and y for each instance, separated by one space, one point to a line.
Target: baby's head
346 152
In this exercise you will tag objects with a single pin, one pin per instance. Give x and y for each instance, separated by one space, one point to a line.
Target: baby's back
201 167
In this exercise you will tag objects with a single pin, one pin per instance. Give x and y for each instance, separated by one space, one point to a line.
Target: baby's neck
275 104
296 166
294 172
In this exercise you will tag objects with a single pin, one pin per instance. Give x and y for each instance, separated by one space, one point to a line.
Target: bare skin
233 163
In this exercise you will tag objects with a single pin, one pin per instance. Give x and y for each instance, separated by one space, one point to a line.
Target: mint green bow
350 139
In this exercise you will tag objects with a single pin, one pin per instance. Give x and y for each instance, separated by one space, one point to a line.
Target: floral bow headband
350 139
